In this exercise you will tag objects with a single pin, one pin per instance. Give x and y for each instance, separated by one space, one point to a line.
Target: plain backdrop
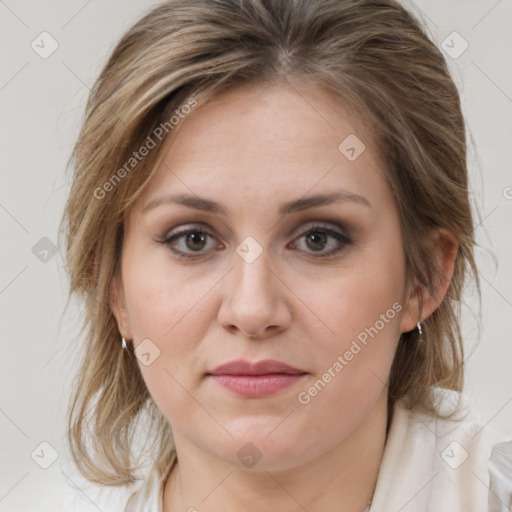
42 103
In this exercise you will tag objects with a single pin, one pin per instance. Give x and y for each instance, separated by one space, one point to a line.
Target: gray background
42 102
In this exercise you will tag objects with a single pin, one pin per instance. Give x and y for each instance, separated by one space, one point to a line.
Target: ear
118 307
421 304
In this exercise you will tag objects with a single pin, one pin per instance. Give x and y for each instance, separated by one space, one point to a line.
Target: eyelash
316 228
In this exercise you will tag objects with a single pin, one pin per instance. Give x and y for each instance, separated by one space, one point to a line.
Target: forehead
277 140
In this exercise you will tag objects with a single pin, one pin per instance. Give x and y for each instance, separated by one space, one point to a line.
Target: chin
260 446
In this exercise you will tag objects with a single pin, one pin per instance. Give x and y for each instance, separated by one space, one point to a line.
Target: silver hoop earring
123 343
418 325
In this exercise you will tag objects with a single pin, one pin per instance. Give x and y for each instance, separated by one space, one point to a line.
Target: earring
420 331
123 343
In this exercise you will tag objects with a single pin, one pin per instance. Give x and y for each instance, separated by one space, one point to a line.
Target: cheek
361 296
170 310
361 307
353 362
354 359
162 295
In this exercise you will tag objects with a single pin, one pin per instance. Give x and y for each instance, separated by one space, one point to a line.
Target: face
262 271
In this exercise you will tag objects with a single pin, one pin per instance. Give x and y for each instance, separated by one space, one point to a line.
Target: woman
270 226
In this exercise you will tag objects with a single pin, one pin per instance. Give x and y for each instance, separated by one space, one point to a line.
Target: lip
265 367
256 379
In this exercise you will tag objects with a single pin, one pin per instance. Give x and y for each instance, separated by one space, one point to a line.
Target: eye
196 242
319 237
189 241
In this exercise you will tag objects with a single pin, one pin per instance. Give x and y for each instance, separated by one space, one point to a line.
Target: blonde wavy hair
372 54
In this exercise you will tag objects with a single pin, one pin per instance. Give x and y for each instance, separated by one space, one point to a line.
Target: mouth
256 379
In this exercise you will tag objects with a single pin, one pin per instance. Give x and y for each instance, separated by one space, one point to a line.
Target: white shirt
429 465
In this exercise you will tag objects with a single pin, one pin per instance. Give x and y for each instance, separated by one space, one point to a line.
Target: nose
255 301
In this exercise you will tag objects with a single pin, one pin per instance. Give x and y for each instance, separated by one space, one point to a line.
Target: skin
253 148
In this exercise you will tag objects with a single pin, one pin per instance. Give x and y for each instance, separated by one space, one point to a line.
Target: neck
341 479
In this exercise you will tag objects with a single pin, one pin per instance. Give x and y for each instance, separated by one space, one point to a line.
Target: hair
372 54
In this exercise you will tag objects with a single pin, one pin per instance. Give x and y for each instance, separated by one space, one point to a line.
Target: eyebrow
303 203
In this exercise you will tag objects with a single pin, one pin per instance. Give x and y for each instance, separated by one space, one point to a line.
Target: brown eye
319 238
195 241
316 240
187 242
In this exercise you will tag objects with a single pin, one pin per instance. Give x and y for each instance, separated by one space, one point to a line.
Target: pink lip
265 367
257 379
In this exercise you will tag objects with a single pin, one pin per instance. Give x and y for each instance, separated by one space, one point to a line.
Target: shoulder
500 471
149 496
435 462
